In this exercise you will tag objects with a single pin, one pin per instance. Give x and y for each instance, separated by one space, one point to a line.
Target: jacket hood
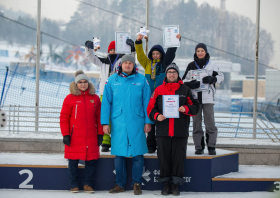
74 90
156 48
172 86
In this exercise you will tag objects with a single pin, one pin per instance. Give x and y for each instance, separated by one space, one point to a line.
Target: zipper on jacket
86 122
76 111
72 132
212 93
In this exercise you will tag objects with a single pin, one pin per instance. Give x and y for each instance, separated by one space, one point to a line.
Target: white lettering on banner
146 174
156 172
187 179
29 178
277 187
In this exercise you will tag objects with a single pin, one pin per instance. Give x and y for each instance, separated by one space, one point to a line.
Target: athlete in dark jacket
172 133
155 65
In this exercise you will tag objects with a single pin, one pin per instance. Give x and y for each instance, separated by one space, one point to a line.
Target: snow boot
116 189
137 189
75 190
174 190
166 189
211 151
199 151
88 189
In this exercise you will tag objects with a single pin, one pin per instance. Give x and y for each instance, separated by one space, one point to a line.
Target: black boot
166 188
151 150
174 190
105 148
211 151
199 151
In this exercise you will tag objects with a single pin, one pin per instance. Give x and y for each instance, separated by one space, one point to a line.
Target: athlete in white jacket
206 99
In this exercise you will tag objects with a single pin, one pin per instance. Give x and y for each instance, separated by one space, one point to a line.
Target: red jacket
173 126
80 118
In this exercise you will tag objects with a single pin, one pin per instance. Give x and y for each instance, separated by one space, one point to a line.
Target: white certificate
169 36
170 106
199 74
121 46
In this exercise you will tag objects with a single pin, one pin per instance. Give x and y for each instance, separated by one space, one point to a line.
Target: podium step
49 171
248 179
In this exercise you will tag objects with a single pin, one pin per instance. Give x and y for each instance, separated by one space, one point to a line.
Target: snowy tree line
199 23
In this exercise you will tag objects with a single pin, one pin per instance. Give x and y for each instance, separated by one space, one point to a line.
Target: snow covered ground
8 193
245 171
58 159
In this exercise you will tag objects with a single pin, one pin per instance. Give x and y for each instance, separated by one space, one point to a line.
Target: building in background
272 86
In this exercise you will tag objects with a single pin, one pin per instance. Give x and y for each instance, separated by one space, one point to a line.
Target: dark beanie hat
172 66
201 45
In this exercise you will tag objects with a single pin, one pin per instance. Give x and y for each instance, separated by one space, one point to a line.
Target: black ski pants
172 155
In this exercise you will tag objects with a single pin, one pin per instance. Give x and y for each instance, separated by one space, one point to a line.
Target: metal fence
230 124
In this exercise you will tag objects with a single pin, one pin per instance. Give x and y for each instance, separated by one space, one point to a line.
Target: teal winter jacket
125 100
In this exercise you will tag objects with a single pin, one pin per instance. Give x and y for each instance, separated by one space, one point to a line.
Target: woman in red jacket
81 130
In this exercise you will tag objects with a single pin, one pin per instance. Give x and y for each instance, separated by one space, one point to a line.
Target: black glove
209 80
66 140
130 43
100 139
194 84
89 44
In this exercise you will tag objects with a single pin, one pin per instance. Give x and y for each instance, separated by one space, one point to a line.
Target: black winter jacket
173 126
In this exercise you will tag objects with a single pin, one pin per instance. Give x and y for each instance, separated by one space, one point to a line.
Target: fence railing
230 124
22 119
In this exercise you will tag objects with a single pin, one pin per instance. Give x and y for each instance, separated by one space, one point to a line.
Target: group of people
131 106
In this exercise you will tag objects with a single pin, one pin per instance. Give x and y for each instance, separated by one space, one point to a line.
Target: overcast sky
269 14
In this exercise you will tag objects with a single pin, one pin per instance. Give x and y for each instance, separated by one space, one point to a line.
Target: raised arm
141 57
89 54
171 53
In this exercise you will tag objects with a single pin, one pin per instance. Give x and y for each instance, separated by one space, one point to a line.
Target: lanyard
153 67
203 66
112 65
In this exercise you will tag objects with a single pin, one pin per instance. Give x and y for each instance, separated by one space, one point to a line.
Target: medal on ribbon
153 76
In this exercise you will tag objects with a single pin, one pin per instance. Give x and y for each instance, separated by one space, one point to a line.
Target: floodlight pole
147 25
38 64
256 71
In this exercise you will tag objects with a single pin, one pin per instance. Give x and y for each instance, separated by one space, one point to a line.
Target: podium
202 173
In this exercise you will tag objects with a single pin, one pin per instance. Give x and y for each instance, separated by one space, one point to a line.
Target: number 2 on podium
25 184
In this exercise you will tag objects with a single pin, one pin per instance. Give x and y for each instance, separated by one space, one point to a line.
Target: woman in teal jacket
125 100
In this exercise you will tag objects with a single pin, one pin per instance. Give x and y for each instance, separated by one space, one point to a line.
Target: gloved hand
66 140
89 44
194 84
131 43
100 139
209 80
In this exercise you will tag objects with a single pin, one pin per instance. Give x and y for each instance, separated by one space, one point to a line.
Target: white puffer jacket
104 68
208 96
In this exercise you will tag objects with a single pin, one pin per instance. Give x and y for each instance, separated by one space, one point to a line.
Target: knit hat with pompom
80 75
112 45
